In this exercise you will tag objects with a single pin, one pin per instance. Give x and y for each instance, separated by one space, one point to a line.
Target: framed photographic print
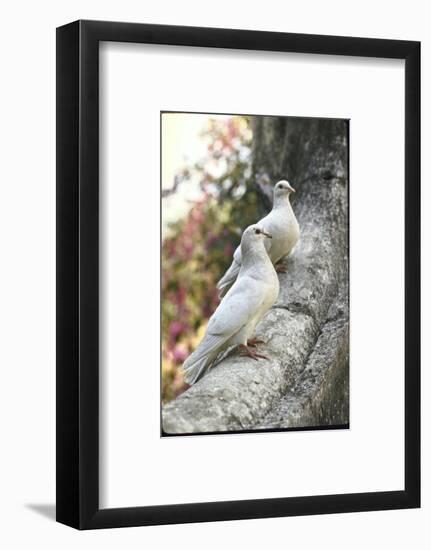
238 288
211 300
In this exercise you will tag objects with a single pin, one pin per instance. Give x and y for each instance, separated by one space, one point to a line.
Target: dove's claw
259 356
254 342
245 351
280 268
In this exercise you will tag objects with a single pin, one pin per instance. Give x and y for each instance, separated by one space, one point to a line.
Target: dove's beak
266 234
292 190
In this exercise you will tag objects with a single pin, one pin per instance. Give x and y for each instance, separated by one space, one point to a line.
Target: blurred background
206 170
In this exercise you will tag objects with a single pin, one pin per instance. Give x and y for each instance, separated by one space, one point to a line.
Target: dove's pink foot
245 351
280 268
254 342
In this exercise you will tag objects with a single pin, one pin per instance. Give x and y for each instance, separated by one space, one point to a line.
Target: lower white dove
281 223
233 323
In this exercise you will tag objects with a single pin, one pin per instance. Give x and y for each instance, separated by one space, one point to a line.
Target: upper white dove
281 223
253 293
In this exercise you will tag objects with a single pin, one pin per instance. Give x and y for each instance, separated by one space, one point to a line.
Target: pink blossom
180 354
181 295
188 247
212 239
232 128
175 328
228 250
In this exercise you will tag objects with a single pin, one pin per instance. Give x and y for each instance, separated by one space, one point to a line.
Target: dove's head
283 189
252 236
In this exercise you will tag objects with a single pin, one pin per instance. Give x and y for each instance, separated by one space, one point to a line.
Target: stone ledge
320 395
240 390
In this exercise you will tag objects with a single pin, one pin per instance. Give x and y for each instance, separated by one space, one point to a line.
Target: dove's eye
257 231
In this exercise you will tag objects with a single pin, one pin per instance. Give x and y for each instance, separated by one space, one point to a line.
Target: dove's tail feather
228 278
200 360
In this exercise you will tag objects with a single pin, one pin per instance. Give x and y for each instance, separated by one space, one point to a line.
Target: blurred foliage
199 247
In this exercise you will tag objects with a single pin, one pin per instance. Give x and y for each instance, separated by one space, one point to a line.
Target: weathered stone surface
305 379
239 390
320 397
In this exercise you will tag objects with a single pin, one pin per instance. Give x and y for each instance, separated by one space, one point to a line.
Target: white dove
234 321
281 223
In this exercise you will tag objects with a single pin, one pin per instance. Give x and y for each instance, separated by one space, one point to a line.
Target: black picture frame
78 274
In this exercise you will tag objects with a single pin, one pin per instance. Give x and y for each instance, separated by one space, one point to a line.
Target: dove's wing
231 274
238 308
240 305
